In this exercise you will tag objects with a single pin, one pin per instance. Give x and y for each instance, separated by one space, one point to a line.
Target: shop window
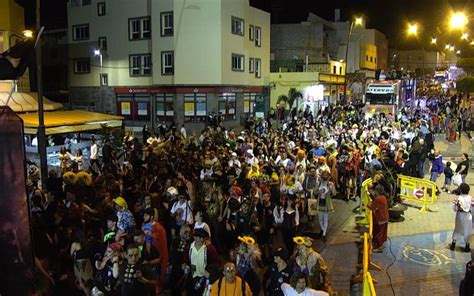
195 107
249 104
227 106
164 107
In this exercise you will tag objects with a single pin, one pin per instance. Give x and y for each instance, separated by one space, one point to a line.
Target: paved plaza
423 264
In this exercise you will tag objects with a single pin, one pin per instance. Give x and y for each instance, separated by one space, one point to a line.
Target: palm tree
289 100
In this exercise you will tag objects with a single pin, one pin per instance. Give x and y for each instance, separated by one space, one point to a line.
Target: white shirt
93 151
464 202
290 291
186 209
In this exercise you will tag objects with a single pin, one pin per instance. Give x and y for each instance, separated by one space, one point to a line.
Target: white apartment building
168 60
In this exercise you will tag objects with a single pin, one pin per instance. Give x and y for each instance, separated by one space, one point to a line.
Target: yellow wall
368 56
280 83
11 16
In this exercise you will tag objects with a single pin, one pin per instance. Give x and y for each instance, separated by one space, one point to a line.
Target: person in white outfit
463 224
298 287
94 156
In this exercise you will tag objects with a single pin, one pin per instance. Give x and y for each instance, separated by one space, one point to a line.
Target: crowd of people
223 211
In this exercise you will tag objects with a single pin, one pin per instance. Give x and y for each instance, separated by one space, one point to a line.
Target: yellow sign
246 106
189 109
125 106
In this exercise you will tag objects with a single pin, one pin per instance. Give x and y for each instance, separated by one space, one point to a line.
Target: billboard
16 259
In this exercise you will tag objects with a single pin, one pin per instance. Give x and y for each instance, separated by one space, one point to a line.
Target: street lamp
465 36
458 20
358 21
433 40
412 29
97 52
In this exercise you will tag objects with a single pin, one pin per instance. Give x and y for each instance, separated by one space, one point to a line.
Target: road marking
425 256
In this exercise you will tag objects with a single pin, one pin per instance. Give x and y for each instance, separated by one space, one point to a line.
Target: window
251 65
366 58
164 107
237 62
334 70
139 28
101 8
237 26
340 70
227 105
371 59
82 66
167 63
251 33
104 79
258 36
195 107
249 104
80 32
140 65
103 43
167 23
258 68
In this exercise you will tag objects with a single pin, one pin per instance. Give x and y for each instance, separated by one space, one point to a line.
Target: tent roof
27 102
60 122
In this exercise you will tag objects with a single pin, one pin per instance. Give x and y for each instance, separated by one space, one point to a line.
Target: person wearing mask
230 284
463 224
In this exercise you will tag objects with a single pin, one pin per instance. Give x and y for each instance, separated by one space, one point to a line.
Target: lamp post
97 52
358 22
39 84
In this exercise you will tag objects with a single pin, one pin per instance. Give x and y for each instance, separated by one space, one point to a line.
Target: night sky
389 16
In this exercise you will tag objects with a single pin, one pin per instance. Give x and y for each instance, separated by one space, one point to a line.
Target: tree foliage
465 84
467 64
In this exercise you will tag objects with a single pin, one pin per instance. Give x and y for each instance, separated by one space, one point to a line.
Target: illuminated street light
358 21
412 29
465 36
472 42
451 48
433 40
458 20
447 46
28 33
458 52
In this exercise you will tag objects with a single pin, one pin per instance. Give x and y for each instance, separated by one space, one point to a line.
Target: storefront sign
259 107
142 109
189 108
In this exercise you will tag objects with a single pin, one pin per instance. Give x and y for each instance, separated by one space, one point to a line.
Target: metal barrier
364 201
417 190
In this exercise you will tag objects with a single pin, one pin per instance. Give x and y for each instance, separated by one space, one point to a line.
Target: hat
248 240
282 253
303 240
237 190
121 202
117 247
199 232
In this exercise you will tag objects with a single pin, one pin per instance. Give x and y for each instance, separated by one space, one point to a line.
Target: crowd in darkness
224 210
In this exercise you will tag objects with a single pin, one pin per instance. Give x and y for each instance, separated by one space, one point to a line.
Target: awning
27 102
75 121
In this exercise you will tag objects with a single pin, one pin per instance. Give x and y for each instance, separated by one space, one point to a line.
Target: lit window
139 28
140 65
167 23
104 79
82 66
237 26
167 63
251 65
80 32
237 62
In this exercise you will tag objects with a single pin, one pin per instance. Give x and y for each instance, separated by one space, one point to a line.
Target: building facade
419 61
168 61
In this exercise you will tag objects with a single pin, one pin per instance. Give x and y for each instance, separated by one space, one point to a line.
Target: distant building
419 61
168 60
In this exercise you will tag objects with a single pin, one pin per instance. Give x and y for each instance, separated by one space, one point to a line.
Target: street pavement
418 247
